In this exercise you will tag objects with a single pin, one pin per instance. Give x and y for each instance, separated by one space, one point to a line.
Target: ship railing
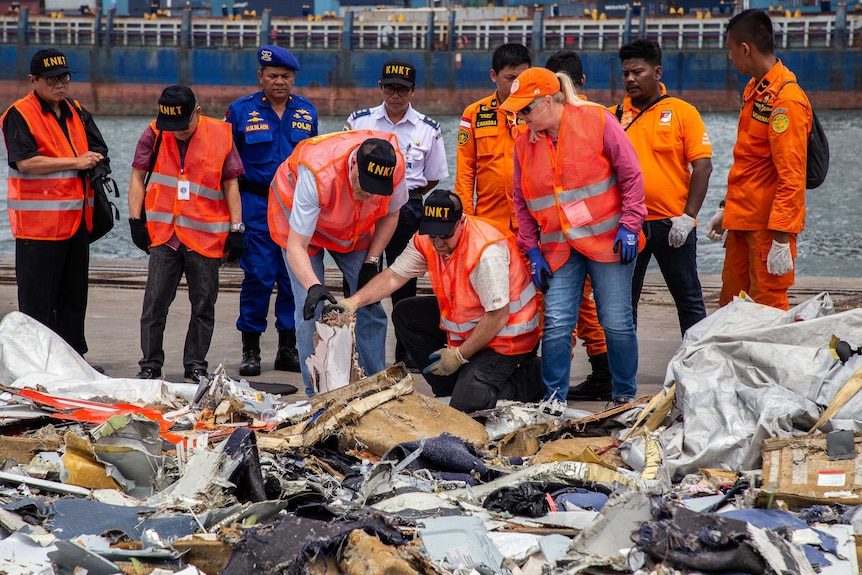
141 32
817 31
222 33
295 34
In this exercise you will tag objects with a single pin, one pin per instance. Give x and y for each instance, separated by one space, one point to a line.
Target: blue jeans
612 290
678 267
370 320
164 271
263 264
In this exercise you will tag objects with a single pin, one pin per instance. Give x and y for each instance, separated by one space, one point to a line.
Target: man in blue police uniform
421 143
267 125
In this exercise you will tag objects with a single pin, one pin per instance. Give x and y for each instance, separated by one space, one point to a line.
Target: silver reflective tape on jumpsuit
514 306
581 232
196 189
45 205
61 175
573 195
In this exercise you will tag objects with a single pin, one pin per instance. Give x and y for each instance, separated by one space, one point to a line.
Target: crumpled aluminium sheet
31 355
749 372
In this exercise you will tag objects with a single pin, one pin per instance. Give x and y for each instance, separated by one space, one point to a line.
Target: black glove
316 294
366 272
140 235
234 245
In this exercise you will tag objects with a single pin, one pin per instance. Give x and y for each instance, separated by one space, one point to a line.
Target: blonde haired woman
580 207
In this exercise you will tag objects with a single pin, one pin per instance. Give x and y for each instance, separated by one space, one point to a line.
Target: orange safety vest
49 206
201 223
460 306
344 224
572 191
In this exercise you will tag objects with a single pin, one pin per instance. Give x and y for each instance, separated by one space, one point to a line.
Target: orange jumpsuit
486 145
765 186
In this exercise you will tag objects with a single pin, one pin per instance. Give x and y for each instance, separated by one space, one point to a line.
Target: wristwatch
373 260
240 227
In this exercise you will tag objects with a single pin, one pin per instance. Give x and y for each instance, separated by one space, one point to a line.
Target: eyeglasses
61 79
446 237
525 111
391 89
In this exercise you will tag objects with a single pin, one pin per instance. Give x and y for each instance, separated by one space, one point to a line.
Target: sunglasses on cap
391 89
61 79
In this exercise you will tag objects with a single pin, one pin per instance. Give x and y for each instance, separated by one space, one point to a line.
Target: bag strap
619 113
642 112
156 148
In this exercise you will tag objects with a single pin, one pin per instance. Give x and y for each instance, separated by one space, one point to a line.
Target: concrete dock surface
116 295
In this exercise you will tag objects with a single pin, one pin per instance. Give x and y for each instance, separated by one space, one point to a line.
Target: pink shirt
619 151
144 155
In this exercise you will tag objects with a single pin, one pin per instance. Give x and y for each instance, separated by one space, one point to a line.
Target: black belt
415 194
251 187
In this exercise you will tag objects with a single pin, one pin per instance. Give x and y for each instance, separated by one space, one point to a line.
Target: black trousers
408 224
52 280
487 377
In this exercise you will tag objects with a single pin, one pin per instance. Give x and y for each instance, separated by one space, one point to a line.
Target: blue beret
278 57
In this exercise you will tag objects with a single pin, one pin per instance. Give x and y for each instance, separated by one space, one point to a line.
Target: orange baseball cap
529 85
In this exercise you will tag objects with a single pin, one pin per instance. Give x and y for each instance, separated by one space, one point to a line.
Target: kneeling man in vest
193 218
476 338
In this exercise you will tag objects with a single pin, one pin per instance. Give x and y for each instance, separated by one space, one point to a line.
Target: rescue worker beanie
376 159
530 84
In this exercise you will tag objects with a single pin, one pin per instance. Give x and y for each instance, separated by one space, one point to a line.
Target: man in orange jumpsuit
764 208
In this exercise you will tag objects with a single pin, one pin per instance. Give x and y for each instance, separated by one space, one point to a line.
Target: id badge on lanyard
183 188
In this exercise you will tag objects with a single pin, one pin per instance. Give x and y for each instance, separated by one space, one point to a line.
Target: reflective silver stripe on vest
506 331
61 175
598 229
343 243
45 205
514 306
187 222
573 195
196 189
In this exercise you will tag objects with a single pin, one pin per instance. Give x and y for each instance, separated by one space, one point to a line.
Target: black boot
250 354
597 386
287 358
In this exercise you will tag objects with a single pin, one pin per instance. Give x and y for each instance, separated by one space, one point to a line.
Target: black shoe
287 358
149 373
250 364
196 374
590 390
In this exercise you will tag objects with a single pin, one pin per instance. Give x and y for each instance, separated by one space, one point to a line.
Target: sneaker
196 374
590 390
149 373
622 401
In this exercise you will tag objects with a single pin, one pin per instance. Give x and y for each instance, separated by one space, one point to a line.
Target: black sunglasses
525 111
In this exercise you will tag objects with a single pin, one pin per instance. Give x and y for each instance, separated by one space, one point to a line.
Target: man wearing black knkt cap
187 216
476 338
341 192
52 144
421 143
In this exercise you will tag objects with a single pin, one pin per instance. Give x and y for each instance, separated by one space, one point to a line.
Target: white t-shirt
490 278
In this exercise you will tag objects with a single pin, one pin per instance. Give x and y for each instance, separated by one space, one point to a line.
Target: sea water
830 245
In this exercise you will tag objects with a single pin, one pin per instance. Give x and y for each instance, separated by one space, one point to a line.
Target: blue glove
626 244
539 269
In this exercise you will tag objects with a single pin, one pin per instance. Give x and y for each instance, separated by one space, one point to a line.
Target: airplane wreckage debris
747 462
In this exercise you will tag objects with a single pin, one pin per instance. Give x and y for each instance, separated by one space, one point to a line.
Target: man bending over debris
484 302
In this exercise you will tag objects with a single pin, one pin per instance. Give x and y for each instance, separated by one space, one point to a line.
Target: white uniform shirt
419 139
306 201
490 278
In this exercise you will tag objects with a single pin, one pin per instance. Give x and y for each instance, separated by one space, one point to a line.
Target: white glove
714 229
682 226
779 261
